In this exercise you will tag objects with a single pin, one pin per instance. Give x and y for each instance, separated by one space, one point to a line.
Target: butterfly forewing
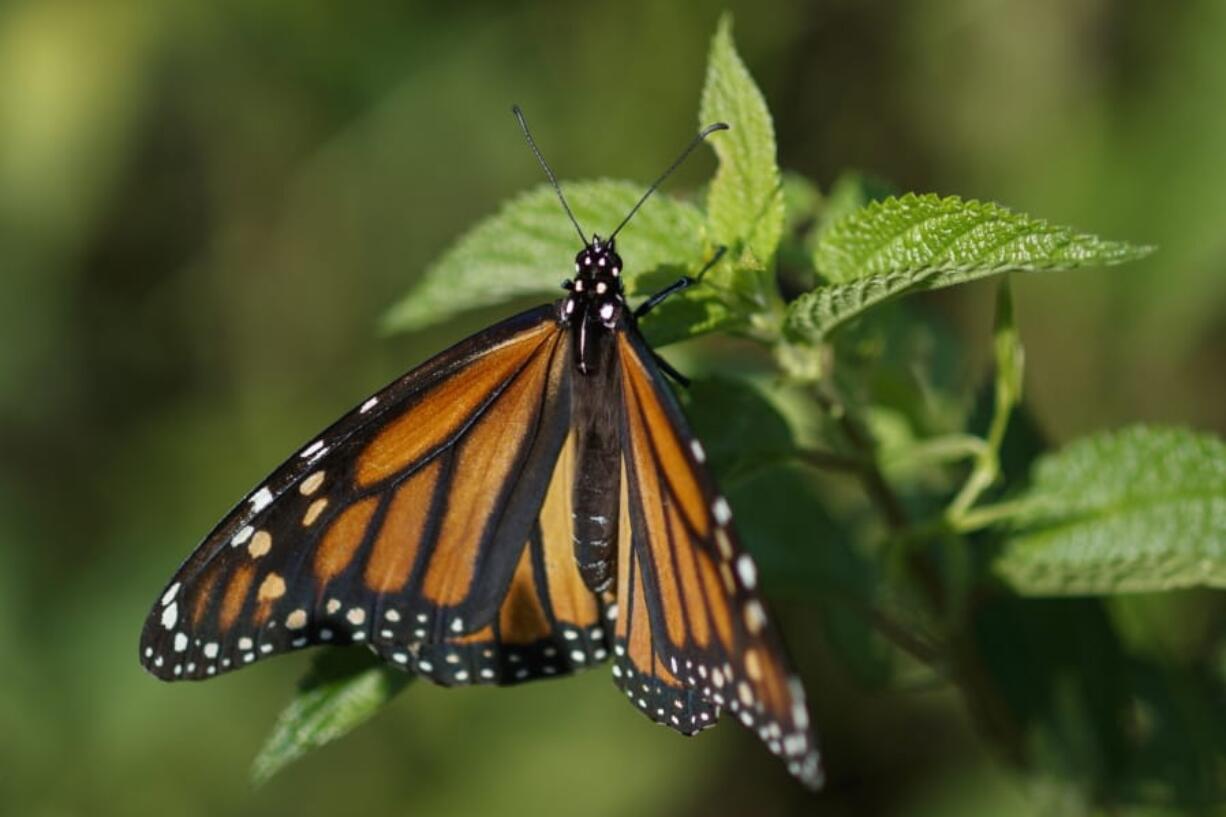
403 525
711 641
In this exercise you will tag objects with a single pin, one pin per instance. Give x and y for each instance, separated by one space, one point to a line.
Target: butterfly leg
668 369
655 300
684 282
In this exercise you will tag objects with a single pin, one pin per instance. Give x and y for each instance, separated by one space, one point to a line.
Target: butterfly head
596 291
599 259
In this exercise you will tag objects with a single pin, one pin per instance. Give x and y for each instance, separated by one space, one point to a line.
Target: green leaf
926 242
745 200
741 429
1138 510
700 309
1053 680
850 192
529 246
816 314
344 688
961 240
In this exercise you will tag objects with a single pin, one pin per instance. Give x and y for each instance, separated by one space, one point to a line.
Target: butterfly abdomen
597 485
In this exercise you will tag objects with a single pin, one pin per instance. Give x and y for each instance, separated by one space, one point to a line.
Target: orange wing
692 628
411 524
549 623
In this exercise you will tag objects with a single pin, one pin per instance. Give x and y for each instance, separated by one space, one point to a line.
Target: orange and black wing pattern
412 525
693 636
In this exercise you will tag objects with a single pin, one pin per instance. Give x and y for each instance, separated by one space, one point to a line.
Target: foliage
939 549
343 690
1138 510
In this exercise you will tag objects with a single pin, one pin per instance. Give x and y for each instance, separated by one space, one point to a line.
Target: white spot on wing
170 615
260 500
180 642
368 405
723 514
696 448
746 570
242 536
312 450
170 594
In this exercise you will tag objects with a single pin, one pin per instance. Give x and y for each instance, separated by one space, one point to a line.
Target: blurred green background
205 207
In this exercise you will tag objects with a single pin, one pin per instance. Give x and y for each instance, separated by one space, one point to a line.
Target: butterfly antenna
523 124
702 134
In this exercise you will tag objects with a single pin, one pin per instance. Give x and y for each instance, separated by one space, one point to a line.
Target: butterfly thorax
595 305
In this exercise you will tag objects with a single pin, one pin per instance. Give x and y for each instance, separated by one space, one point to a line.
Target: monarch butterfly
520 506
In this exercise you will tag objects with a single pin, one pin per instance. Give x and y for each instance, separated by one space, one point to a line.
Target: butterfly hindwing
640 669
549 624
711 641
403 524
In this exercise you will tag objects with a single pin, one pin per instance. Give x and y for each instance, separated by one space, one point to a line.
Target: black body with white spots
593 311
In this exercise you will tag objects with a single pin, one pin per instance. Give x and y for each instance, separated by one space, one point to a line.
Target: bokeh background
206 206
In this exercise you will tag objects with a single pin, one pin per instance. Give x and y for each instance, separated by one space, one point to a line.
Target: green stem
1008 390
873 480
988 515
987 463
881 493
938 450
829 460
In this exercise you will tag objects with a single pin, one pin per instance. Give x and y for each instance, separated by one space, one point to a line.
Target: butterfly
526 504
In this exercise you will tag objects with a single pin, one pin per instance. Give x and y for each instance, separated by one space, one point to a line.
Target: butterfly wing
693 635
549 624
410 524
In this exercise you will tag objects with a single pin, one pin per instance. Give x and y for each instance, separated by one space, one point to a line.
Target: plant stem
988 515
829 460
1008 352
906 640
949 448
881 493
870 472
